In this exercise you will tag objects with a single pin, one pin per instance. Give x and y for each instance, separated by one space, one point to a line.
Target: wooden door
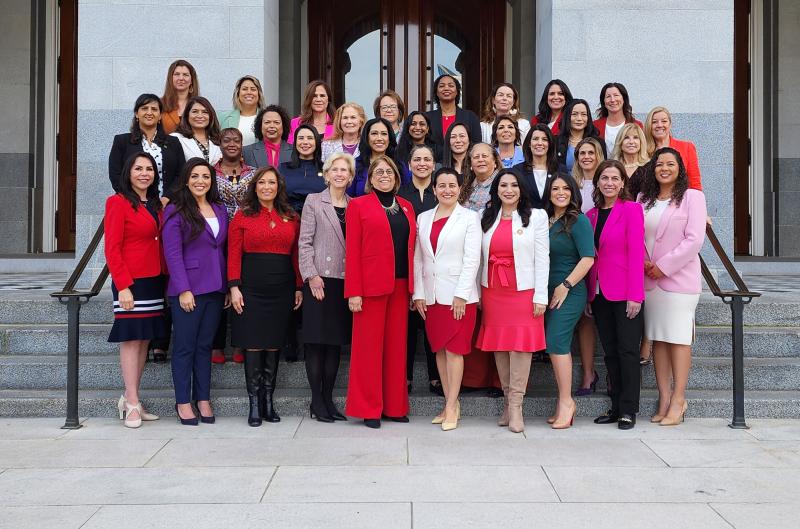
66 140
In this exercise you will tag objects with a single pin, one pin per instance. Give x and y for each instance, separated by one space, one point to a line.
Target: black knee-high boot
314 356
331 363
253 373
269 377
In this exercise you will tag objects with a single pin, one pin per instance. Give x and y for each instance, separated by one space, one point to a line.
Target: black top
529 182
172 159
340 215
301 182
602 217
411 193
398 224
635 182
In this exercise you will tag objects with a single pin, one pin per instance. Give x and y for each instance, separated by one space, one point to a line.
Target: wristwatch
567 284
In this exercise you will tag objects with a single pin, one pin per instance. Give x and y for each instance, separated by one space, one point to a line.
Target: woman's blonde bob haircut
351 165
372 166
641 157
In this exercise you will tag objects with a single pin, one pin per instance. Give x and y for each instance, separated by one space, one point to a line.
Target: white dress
668 316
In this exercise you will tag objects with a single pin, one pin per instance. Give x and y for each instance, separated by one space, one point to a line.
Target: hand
655 272
125 299
354 303
186 299
459 308
538 309
317 286
298 299
227 302
633 308
647 266
588 310
237 301
559 295
421 307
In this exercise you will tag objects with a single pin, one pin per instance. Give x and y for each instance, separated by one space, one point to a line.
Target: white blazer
531 253
452 270
191 150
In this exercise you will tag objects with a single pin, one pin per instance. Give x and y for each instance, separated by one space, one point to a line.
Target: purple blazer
197 265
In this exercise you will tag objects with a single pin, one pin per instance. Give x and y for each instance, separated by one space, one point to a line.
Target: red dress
443 331
508 322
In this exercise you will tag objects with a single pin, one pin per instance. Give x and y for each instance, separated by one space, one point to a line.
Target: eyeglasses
388 107
381 172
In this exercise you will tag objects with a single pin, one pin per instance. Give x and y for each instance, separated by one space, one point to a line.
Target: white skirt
669 316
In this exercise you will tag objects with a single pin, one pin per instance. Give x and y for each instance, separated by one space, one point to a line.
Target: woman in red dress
379 276
516 264
446 262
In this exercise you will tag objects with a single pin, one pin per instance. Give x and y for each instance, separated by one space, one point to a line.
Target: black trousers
620 337
415 324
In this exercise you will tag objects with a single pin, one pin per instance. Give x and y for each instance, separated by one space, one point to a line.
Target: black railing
737 299
73 299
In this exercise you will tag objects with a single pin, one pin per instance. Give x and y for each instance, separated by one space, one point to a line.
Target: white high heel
142 412
133 423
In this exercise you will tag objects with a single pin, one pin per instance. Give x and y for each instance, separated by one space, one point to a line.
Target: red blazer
601 126
688 152
556 126
369 252
132 242
619 263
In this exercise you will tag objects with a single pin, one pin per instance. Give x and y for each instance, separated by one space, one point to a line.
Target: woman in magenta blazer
616 288
194 234
675 223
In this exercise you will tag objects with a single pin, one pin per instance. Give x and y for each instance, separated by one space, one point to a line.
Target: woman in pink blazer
675 222
616 288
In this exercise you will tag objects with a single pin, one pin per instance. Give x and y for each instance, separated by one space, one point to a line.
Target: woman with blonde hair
658 132
347 124
248 100
630 148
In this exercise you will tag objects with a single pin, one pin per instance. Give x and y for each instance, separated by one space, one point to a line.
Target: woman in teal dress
571 257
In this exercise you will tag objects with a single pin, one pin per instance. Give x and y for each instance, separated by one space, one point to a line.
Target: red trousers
377 383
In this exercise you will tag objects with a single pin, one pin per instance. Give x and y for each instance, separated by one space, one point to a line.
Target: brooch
519 231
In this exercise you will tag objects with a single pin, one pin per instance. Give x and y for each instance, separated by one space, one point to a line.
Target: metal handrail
73 299
737 299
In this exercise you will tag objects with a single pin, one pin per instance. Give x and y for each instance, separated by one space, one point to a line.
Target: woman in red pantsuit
379 277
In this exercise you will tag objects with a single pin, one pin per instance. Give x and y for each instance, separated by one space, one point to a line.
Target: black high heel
320 418
185 422
204 419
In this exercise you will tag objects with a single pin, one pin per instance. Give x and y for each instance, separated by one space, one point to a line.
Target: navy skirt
146 320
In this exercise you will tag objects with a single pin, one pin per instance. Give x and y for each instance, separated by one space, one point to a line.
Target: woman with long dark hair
503 101
576 124
198 131
674 232
571 257
555 97
181 85
265 285
506 139
456 146
514 288
133 253
147 135
195 234
416 131
317 109
616 288
614 111
303 174
541 163
377 140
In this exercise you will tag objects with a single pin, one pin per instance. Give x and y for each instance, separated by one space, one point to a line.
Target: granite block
774 430
97 76
247 21
14 169
725 453
751 515
74 453
15 236
13 206
46 517
788 174
225 428
15 118
22 429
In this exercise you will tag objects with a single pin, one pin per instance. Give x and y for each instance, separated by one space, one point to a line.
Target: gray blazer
321 241
255 156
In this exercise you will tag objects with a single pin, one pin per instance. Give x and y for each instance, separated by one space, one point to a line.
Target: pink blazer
679 237
619 263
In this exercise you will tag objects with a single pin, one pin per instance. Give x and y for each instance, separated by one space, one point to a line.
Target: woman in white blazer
446 262
515 269
198 132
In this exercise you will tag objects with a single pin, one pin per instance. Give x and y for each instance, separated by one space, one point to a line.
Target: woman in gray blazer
271 129
327 320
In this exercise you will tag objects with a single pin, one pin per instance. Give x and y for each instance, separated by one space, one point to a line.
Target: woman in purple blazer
194 236
616 288
674 231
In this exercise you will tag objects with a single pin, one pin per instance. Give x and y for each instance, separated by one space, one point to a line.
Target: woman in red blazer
658 131
616 288
378 281
614 111
555 98
133 254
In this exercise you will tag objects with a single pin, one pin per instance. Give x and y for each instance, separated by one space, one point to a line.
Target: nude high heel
142 412
133 423
564 425
669 421
447 426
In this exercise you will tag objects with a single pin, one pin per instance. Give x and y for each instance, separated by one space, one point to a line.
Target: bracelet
567 284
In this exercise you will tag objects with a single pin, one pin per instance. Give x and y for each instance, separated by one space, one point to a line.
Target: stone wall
788 126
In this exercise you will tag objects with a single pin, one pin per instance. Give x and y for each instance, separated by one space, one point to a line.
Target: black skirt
268 287
329 321
146 320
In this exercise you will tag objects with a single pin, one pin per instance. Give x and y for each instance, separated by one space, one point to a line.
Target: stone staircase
33 340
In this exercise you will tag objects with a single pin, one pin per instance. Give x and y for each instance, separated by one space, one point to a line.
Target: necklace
340 216
202 148
506 215
555 219
393 209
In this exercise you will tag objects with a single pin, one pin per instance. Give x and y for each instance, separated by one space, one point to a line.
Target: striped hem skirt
146 320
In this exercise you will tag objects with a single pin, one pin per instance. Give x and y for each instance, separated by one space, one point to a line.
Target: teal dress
566 249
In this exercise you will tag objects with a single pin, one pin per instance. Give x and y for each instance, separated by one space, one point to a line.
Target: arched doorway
363 45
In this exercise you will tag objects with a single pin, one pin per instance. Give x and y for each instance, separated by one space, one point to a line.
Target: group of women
497 237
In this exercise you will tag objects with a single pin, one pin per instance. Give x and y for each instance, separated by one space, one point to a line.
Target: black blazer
529 182
255 156
172 159
467 117
562 144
